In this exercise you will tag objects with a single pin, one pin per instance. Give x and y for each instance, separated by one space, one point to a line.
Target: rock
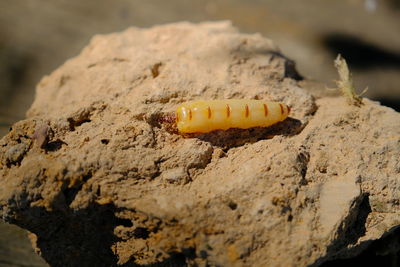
16 153
106 183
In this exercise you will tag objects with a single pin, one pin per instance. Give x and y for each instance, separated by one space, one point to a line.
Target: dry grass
345 83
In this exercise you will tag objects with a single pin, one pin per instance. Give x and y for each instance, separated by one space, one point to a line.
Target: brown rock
107 184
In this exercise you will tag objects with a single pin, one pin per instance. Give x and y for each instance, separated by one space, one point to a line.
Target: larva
204 116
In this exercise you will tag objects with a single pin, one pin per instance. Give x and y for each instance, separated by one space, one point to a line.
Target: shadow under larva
237 137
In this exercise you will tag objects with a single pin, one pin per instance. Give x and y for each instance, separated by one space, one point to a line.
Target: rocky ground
98 180
36 37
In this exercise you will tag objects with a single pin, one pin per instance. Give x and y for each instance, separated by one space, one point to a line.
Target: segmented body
204 116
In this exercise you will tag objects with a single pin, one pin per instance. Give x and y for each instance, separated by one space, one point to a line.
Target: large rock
99 181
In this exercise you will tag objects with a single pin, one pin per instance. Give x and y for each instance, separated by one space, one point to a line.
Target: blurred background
38 36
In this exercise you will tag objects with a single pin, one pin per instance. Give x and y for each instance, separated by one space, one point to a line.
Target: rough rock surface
99 181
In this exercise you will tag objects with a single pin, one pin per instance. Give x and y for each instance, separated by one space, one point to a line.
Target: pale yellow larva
204 116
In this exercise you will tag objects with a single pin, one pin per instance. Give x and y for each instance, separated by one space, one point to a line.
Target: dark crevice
232 205
354 226
348 234
80 117
358 229
54 145
75 123
105 141
74 237
85 237
71 192
124 222
141 232
291 71
382 252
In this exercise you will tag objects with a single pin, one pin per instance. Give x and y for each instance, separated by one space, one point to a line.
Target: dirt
98 180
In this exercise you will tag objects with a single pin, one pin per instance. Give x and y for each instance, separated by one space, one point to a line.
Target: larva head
183 117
